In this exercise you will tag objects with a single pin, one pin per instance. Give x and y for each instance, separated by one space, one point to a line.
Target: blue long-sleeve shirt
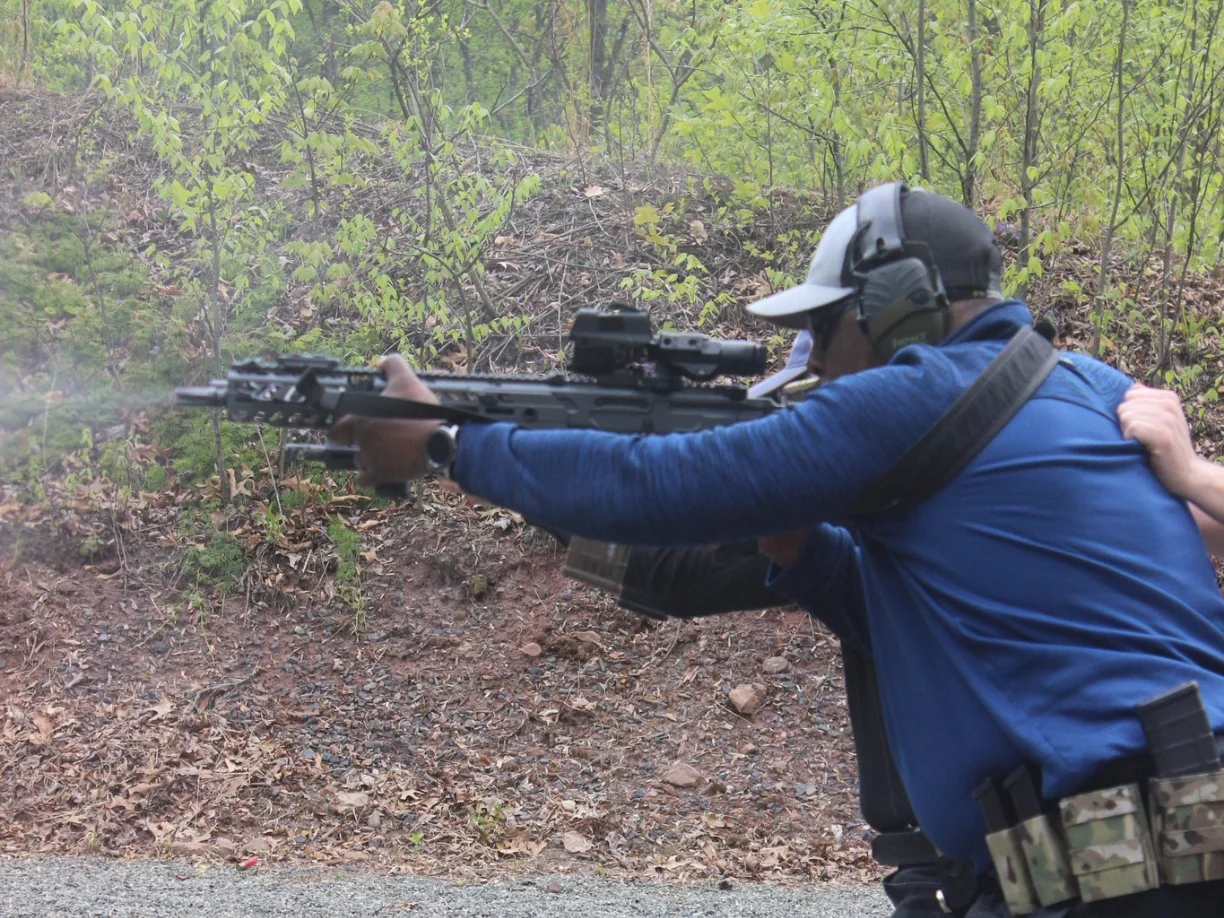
1019 614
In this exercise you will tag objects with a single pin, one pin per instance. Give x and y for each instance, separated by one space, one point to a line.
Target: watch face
440 446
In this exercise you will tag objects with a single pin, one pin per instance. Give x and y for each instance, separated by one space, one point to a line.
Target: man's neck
962 312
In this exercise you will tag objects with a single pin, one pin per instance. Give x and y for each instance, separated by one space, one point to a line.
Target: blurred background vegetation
187 181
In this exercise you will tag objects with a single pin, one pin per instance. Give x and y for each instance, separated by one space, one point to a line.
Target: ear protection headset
901 298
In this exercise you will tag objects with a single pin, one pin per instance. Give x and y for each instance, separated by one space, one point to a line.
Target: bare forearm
1204 489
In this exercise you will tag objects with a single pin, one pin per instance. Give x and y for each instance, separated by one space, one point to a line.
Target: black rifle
630 380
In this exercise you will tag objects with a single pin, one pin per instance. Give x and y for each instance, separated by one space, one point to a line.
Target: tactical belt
1158 819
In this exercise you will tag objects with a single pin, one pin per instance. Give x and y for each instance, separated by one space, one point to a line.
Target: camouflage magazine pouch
1109 844
1012 867
1188 826
1046 856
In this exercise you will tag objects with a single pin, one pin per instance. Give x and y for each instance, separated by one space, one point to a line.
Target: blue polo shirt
1019 614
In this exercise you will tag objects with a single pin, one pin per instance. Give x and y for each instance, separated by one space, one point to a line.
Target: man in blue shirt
1015 617
712 580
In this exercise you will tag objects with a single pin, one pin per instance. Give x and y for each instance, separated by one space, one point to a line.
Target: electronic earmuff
901 299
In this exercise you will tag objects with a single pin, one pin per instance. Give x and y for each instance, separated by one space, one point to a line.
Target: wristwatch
440 448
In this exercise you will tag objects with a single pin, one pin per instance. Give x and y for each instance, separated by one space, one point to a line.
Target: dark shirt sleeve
694 582
824 580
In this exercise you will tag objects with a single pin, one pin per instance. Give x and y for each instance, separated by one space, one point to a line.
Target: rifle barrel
200 396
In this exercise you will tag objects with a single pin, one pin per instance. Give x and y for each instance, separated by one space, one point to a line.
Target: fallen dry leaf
44 725
163 708
352 799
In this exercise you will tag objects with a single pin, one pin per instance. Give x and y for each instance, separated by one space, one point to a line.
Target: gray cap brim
776 382
790 307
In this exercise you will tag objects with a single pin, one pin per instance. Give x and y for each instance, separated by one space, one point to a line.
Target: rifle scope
609 342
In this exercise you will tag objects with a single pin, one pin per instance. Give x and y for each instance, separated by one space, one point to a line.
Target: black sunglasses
823 322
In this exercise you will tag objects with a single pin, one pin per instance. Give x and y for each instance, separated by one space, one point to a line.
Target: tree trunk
25 39
214 295
969 176
1028 159
924 159
597 14
331 71
1107 242
218 326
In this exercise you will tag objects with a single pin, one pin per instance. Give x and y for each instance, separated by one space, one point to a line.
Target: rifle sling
966 427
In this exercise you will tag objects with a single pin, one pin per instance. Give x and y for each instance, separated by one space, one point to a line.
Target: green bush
221 564
348 550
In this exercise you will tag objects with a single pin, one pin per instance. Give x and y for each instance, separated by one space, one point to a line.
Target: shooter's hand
1155 418
783 550
391 451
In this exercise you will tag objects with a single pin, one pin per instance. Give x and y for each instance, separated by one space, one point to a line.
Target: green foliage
348 582
221 564
192 439
348 550
1061 122
155 478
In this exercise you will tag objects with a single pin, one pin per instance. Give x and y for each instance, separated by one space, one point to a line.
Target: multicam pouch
1046 855
1188 826
1109 844
1012 867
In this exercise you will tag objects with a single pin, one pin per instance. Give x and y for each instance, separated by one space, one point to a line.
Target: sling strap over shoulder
966 427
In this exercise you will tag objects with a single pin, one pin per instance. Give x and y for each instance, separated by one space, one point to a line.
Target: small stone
805 790
554 886
532 650
776 665
258 845
575 843
747 698
373 820
188 849
682 775
224 846
749 749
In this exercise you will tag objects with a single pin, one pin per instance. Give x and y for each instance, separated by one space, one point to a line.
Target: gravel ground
50 887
